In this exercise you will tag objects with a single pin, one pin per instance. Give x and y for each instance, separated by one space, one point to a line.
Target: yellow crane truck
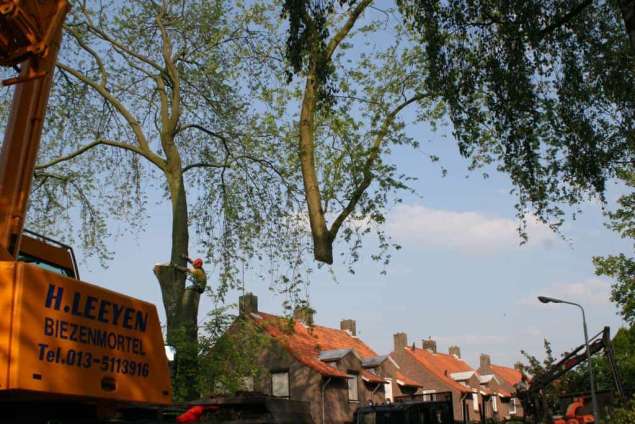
64 344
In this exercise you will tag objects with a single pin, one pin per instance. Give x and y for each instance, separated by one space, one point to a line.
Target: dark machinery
531 395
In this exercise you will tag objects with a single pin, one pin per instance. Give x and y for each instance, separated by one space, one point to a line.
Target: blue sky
461 278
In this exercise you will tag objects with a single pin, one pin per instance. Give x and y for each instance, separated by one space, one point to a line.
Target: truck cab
48 254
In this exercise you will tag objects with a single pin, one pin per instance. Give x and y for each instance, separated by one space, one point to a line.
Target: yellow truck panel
61 336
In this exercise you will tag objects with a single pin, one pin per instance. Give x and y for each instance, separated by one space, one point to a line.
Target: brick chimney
429 344
400 341
247 304
349 325
486 361
455 350
304 314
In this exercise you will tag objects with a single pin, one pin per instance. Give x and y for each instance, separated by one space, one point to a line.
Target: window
247 384
353 395
495 403
512 408
22 257
475 401
388 390
280 384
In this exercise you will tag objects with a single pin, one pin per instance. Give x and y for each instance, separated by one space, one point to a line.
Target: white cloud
588 292
468 232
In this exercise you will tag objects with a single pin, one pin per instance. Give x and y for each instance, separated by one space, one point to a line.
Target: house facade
434 370
331 369
477 395
506 380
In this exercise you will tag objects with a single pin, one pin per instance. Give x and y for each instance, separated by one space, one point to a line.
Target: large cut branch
322 237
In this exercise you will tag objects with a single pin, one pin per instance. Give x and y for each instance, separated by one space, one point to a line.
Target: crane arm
30 35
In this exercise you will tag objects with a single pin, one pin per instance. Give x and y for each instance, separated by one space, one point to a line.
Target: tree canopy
150 102
621 267
545 90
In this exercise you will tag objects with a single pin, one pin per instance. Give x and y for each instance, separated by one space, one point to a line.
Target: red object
194 414
198 263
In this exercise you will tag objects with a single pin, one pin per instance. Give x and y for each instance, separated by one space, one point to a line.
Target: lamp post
594 401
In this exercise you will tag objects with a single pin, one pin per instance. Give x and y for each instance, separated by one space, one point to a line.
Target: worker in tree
196 274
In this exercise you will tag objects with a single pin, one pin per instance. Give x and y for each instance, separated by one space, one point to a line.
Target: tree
230 349
549 403
149 97
350 113
543 89
622 267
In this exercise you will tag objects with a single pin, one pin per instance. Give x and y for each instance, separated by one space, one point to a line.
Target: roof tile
510 375
305 343
442 365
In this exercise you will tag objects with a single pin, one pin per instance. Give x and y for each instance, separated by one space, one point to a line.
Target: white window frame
476 406
388 390
350 378
495 403
512 409
281 375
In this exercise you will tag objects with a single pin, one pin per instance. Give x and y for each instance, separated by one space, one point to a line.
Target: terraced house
506 379
476 396
332 369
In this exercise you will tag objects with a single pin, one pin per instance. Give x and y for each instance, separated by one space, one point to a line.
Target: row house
331 369
477 395
507 380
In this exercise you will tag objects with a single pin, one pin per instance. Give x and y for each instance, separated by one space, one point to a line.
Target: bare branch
88 147
373 155
343 32
116 44
134 124
102 69
204 165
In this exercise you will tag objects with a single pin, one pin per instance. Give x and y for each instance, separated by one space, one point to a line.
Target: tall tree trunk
181 304
322 240
628 14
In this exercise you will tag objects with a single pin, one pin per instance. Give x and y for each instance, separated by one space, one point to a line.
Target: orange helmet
198 263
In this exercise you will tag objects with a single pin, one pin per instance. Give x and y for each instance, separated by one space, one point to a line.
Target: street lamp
594 402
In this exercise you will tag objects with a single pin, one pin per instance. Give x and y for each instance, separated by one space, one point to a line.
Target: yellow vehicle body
61 336
61 339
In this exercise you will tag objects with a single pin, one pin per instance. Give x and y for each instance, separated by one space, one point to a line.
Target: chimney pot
429 344
486 361
400 341
304 314
247 304
349 325
455 350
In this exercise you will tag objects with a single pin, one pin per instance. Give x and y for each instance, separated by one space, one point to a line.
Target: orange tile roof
305 343
442 365
504 393
511 376
405 380
371 378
